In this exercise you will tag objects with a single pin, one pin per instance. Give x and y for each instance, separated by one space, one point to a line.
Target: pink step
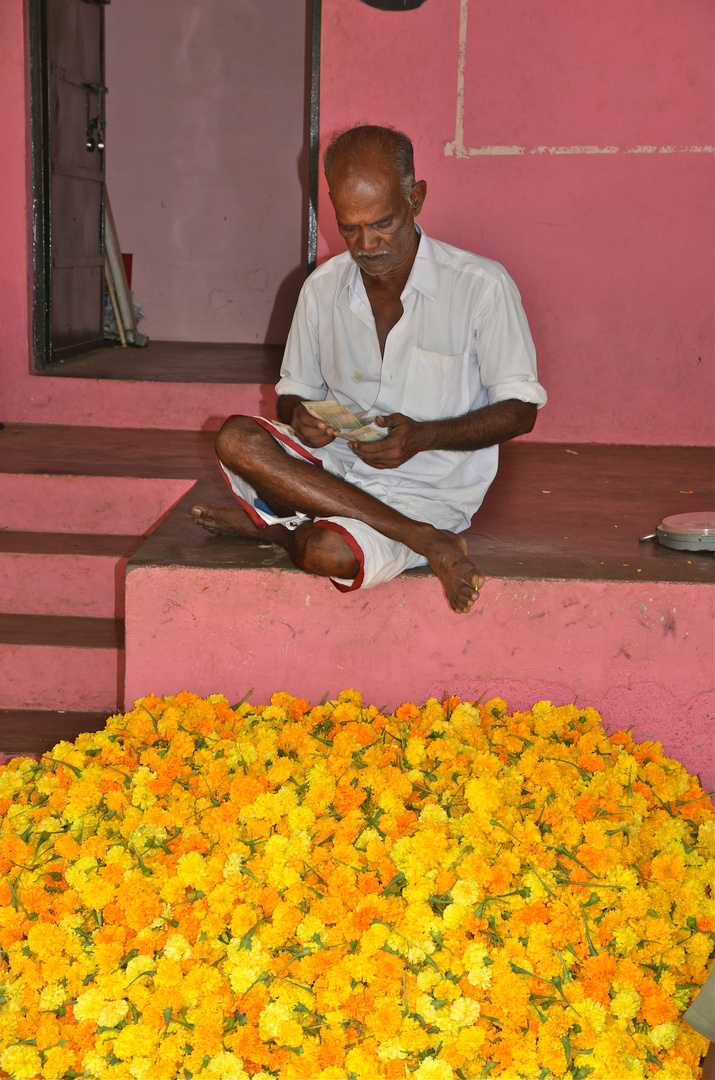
61 573
60 662
639 652
123 505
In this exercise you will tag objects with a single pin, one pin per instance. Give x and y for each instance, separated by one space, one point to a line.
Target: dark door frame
41 180
40 129
314 135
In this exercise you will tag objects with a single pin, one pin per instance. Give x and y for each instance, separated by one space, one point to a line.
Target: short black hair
394 144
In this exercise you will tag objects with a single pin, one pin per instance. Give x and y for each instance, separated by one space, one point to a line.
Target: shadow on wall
288 290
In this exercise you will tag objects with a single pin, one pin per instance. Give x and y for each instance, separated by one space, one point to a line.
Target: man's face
374 218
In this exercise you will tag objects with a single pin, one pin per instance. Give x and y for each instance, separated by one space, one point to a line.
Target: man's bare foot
225 521
460 578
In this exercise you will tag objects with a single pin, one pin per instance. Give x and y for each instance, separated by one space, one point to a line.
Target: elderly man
428 342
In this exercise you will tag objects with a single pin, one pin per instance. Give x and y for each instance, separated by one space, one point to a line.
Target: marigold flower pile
287 891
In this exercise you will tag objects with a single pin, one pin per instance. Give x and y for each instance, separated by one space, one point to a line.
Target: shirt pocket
437 385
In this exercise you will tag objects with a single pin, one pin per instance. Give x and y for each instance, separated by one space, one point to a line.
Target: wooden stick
119 276
115 305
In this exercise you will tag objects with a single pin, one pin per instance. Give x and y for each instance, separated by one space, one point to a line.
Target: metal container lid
693 531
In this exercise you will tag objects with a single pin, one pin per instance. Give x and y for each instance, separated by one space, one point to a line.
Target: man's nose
368 240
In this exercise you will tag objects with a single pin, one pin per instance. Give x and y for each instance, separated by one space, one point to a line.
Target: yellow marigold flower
177 948
362 1063
663 1035
454 915
233 864
244 966
93 1006
21 1062
89 1005
623 876
466 892
95 1064
309 928
464 1011
625 939
706 835
139 1067
415 751
470 1039
45 940
77 874
225 1066
594 1013
52 996
391 1050
191 870
272 1018
301 817
136 1040
10 783
434 1069
626 1004
57 1061
275 712
96 893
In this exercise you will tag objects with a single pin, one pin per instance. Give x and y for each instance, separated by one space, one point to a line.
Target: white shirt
462 343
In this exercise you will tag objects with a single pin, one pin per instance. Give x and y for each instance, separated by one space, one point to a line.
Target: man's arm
473 431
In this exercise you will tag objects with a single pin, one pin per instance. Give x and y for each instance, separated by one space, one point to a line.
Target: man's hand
405 438
308 428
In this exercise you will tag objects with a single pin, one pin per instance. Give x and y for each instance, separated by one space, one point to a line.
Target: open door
68 133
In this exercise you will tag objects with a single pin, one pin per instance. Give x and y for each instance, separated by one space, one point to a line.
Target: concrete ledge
574 607
639 653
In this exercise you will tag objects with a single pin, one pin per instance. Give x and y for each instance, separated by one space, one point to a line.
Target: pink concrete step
574 607
60 662
64 573
124 505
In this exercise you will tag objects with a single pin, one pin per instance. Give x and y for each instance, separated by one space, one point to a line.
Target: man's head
370 173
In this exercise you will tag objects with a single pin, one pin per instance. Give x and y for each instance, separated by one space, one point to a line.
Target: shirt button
357 376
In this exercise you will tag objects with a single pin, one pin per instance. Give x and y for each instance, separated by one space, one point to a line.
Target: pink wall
612 251
573 143
206 121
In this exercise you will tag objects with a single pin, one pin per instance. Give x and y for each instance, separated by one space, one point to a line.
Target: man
427 341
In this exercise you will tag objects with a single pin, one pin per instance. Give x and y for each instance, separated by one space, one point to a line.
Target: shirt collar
423 275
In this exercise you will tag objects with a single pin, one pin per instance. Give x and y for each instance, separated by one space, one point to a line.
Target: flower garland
297 892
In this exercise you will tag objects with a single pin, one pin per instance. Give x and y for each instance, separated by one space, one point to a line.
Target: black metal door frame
314 135
41 179
40 129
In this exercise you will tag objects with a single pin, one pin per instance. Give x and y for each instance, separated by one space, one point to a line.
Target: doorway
212 194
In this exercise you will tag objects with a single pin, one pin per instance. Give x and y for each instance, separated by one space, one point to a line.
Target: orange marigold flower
591 763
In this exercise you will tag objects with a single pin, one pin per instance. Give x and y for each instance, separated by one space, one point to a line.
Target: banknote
368 433
344 421
334 414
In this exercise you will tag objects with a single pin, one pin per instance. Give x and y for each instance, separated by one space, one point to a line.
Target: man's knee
239 435
325 552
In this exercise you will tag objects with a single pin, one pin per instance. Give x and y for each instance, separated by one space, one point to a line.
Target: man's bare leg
292 485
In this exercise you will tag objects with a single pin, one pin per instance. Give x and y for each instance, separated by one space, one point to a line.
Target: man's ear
417 196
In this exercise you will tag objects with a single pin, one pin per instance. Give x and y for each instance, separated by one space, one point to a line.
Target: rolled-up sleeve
300 370
504 346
